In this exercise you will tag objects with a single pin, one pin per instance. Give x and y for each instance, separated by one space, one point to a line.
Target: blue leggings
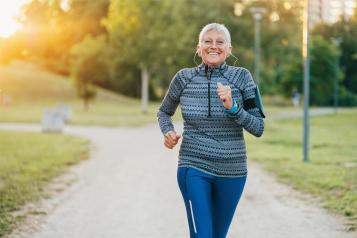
210 201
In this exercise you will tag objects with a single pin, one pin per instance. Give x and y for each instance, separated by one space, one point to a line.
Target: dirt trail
128 189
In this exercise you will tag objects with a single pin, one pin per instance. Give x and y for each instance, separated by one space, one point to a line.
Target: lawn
33 90
28 161
331 172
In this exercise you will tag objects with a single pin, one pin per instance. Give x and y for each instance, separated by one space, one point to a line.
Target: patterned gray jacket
213 139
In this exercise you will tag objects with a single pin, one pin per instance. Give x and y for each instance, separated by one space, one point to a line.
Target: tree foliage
89 66
323 71
50 31
346 34
115 39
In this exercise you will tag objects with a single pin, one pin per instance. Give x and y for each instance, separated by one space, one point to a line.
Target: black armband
255 102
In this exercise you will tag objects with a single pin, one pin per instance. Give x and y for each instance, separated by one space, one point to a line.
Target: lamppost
257 14
306 59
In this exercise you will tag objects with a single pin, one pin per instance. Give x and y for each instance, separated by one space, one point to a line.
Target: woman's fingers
168 141
168 145
171 139
225 94
223 91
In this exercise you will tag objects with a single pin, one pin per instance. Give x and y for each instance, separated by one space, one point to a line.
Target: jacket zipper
209 91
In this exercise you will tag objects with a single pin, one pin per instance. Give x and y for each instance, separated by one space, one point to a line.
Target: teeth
213 53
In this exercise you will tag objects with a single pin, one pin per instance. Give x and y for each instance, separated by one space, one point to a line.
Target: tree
346 31
89 66
324 70
145 33
50 31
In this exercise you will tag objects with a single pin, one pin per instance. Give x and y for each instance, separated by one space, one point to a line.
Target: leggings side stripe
193 218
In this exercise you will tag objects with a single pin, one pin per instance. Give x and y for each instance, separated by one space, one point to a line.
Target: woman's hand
225 95
171 139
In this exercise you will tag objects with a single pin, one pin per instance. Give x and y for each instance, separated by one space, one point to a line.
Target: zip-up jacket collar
214 70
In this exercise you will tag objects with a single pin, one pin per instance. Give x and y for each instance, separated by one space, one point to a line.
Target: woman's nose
213 45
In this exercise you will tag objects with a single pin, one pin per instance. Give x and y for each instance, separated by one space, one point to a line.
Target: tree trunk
86 104
144 89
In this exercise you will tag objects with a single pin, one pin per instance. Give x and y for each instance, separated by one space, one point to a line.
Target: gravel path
128 189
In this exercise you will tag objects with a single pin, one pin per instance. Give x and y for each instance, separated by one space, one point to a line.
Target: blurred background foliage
109 42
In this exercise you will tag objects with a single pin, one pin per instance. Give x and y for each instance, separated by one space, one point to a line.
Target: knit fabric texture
212 140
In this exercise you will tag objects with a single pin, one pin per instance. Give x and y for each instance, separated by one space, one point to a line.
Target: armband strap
249 104
255 102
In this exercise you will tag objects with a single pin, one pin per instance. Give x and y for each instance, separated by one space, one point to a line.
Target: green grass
28 161
331 173
34 90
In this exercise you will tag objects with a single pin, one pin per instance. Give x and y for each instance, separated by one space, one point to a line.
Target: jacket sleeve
251 119
170 102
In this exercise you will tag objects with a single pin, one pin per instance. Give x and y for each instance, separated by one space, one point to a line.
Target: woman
217 101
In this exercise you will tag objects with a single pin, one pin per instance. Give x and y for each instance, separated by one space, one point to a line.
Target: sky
8 10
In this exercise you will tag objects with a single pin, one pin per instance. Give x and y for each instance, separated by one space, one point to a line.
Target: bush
347 98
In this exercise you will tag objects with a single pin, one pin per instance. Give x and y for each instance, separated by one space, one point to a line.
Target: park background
93 56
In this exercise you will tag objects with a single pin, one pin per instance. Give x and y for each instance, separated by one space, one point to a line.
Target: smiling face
213 48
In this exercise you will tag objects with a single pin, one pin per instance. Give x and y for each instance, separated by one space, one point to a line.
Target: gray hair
217 27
